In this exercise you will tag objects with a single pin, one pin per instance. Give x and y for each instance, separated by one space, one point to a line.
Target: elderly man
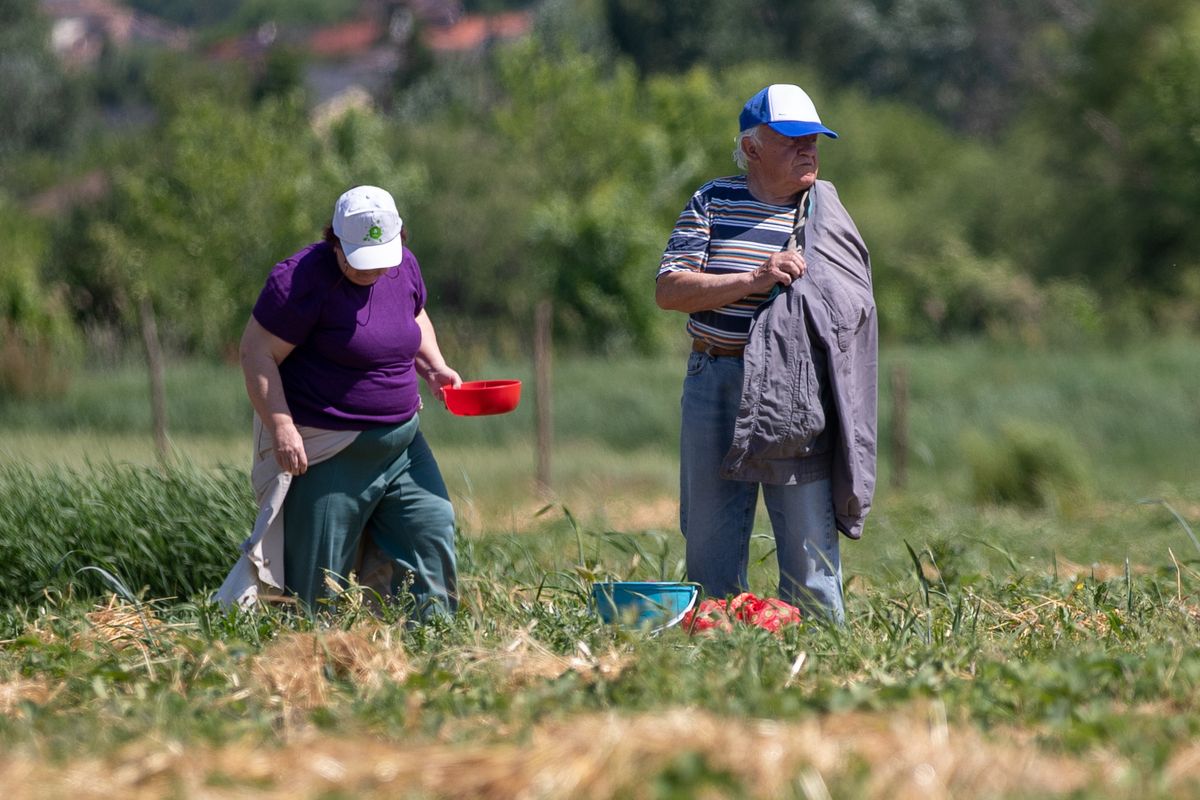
781 378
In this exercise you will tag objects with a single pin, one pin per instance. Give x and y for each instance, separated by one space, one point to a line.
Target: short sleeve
418 282
687 249
289 305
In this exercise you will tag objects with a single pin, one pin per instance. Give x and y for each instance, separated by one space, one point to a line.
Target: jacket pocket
846 314
807 419
789 415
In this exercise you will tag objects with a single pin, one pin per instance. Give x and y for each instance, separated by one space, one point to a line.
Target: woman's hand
439 378
430 364
289 449
261 354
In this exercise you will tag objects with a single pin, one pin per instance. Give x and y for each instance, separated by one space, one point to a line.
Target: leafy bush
38 343
1027 465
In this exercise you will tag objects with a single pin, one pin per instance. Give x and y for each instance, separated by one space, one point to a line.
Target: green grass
1013 650
1075 671
1129 416
1130 411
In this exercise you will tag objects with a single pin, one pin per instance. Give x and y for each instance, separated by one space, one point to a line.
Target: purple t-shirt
352 368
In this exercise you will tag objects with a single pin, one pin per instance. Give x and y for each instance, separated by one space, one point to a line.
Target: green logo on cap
375 233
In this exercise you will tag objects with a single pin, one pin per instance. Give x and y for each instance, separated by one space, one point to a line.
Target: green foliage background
1023 174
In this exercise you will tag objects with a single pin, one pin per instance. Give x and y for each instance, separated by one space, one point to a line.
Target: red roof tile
475 30
346 39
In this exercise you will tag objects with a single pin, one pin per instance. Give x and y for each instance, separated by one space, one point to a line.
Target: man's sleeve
687 249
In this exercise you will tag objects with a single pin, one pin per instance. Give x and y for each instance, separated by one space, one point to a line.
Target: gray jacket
827 318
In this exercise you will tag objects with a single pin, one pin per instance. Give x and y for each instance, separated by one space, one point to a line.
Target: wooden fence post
158 383
899 426
543 396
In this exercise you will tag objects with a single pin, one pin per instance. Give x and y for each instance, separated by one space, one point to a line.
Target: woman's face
359 277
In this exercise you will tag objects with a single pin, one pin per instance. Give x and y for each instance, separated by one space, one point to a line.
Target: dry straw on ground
296 670
525 660
16 692
897 756
122 625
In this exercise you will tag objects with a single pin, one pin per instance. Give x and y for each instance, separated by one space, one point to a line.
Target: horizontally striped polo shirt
723 229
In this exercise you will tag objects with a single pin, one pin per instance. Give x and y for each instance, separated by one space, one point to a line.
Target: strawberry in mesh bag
768 613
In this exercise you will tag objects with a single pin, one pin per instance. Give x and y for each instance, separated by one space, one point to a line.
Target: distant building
363 53
80 29
61 198
475 31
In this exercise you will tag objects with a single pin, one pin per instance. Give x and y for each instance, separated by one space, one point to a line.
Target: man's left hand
781 268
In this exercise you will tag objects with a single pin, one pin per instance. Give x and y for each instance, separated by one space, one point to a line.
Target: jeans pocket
696 363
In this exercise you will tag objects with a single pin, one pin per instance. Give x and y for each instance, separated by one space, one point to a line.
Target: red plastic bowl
477 398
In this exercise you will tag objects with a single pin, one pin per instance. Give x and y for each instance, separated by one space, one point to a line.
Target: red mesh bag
768 613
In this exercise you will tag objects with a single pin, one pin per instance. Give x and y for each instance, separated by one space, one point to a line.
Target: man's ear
749 148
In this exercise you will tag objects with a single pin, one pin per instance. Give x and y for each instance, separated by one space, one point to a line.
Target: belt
701 346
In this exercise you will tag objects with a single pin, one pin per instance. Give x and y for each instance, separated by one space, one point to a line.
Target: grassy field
1020 624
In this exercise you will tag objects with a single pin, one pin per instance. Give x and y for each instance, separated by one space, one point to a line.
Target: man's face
788 160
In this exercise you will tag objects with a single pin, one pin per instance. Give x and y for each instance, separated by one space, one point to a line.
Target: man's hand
689 291
782 268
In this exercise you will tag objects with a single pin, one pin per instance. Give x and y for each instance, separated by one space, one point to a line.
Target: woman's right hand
261 353
289 449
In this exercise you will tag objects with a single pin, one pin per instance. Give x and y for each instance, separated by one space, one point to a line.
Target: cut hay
300 669
122 625
524 660
15 693
898 756
1097 570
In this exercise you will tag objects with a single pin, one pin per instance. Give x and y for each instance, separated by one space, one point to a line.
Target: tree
38 344
674 37
41 104
968 62
1123 148
600 172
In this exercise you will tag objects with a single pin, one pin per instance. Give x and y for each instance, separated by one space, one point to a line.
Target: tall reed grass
168 532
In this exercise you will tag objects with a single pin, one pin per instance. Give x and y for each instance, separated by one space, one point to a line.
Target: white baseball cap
366 221
785 108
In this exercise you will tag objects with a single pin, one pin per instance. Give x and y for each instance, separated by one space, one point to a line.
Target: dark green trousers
387 484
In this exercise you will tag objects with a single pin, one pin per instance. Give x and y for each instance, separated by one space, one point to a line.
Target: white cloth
259 570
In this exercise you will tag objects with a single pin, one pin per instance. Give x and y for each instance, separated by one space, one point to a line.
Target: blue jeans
717 515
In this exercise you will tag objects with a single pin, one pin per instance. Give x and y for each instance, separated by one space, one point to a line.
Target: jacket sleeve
855 460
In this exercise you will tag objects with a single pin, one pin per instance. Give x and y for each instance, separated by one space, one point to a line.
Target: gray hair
739 157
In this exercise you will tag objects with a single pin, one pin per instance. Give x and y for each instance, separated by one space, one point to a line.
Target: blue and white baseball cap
786 108
366 221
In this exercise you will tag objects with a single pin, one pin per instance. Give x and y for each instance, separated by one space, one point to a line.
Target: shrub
1027 465
38 343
